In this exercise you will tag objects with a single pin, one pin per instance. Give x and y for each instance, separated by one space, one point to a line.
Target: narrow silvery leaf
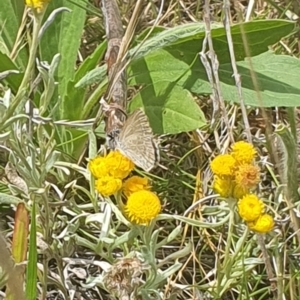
8 72
51 18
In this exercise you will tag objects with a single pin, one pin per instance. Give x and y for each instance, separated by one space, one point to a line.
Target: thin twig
269 270
211 64
117 87
236 75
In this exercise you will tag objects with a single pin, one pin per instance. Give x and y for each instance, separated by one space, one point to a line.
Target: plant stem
231 203
37 21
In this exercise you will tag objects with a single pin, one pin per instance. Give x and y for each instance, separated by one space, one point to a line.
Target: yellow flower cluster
235 174
142 205
109 172
251 209
38 4
135 184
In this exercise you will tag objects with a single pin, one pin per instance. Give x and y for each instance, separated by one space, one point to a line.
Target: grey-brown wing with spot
136 141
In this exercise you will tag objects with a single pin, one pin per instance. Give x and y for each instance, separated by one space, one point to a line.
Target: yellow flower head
119 166
247 176
263 224
108 185
142 207
239 191
243 152
223 165
250 208
98 167
223 186
39 4
134 184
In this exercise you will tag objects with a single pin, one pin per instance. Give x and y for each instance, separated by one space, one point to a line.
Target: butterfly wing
136 141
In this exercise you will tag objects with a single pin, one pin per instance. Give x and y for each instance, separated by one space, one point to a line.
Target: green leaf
63 36
185 41
278 80
170 53
171 38
170 108
151 31
95 75
277 77
75 91
13 80
10 19
83 108
18 7
183 56
184 66
172 56
91 61
9 200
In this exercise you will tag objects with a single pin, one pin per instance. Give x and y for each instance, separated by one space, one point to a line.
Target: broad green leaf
185 41
91 61
63 36
13 80
10 19
277 75
153 31
278 80
172 37
173 52
81 109
182 55
276 89
18 7
9 24
156 42
170 108
75 112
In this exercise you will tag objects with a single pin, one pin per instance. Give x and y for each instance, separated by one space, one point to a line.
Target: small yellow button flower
39 4
142 207
119 166
239 191
98 167
243 152
263 224
223 186
247 176
223 165
108 185
134 184
250 208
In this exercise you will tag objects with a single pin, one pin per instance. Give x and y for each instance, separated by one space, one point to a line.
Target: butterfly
136 141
